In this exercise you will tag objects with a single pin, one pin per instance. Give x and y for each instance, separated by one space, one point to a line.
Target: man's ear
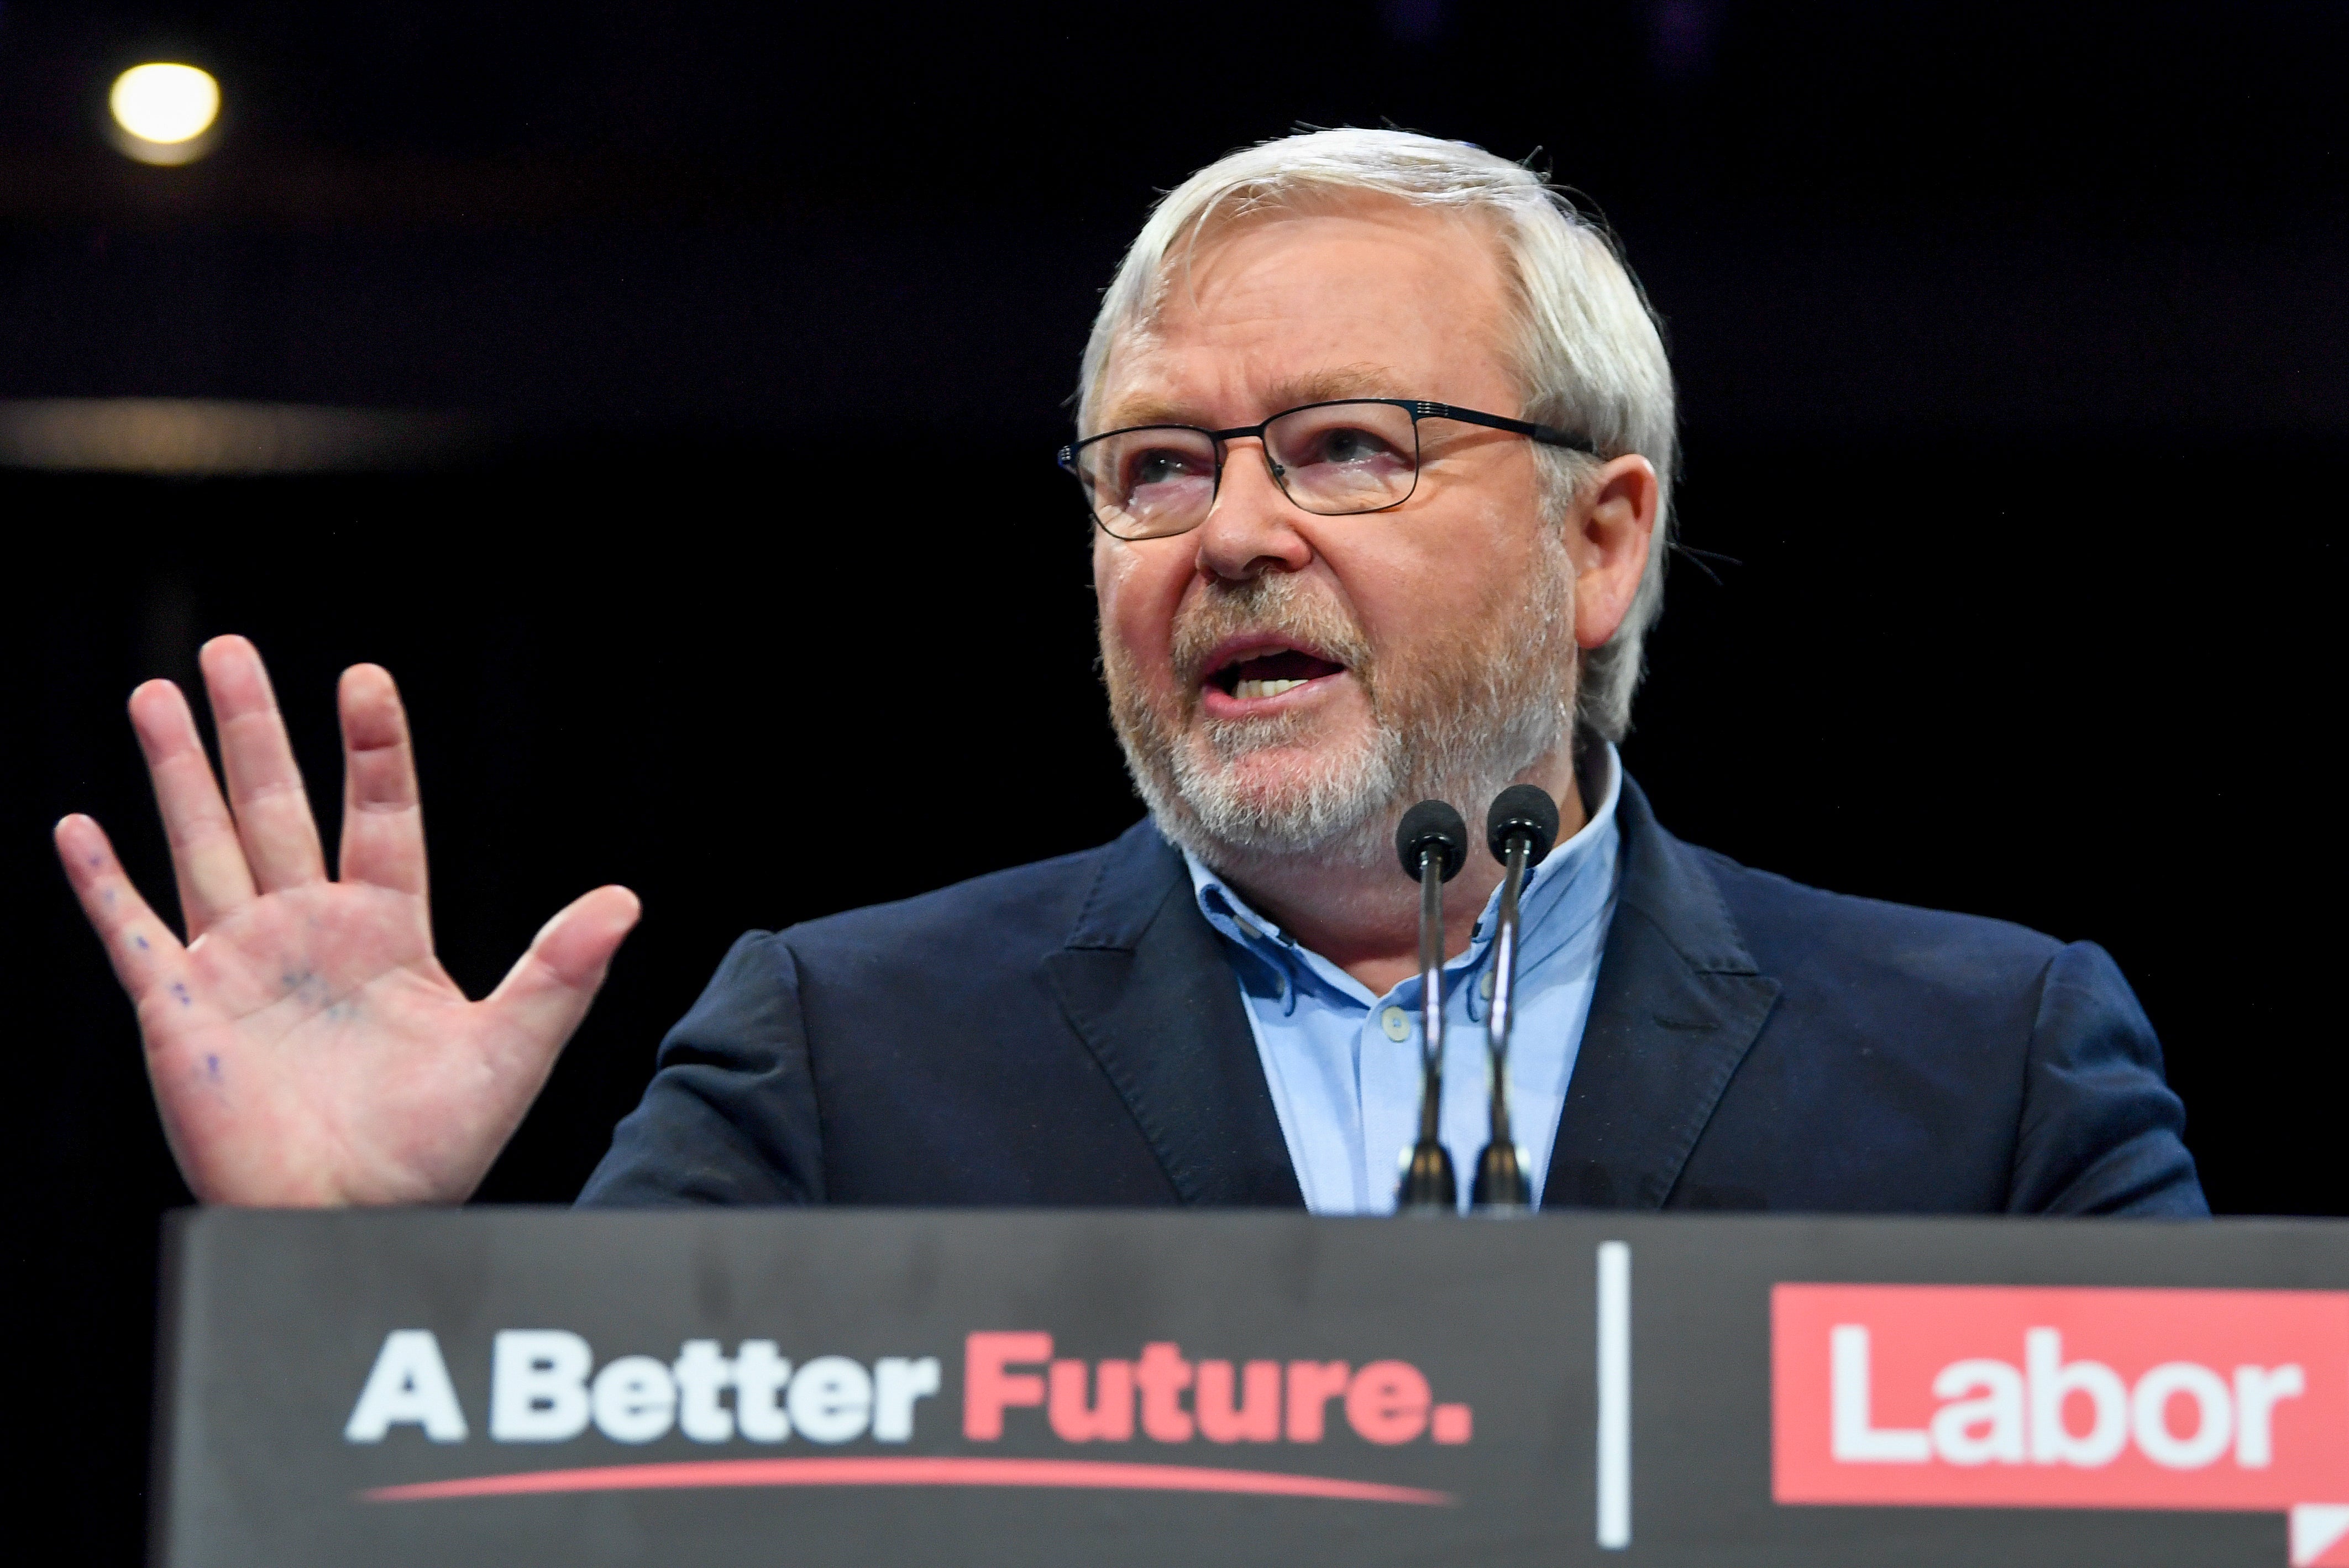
1608 531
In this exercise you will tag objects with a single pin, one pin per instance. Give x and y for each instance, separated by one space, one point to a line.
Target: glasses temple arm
1548 435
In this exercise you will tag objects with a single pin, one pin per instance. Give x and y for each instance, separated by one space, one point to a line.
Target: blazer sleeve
730 1116
2101 1132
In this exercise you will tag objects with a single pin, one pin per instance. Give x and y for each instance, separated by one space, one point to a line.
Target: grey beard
1333 814
1478 712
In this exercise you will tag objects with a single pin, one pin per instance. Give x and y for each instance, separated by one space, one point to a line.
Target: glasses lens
1150 483
1340 458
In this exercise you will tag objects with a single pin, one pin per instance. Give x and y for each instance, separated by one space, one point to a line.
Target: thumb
546 993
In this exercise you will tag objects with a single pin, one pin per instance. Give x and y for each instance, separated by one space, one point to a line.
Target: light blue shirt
1344 1065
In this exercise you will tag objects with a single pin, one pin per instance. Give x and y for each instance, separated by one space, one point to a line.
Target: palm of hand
305 1046
313 1032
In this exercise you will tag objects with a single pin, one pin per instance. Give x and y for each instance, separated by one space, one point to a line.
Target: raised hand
305 1046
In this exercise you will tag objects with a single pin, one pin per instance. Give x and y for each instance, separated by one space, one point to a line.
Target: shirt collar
1574 884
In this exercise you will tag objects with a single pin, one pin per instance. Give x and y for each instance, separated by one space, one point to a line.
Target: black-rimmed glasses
1333 459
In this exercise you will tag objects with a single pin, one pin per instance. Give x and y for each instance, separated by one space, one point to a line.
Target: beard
1455 721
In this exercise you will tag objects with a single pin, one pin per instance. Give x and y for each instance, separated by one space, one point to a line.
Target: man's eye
1349 445
1159 467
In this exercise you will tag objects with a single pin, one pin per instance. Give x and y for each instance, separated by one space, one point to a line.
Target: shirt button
1397 1024
1252 933
1485 987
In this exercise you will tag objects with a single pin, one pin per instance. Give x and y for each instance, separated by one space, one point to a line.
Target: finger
142 949
264 788
544 995
383 816
207 859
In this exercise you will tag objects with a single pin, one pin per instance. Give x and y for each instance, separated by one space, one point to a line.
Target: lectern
521 1386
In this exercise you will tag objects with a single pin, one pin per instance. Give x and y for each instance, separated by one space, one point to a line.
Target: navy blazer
1071 1033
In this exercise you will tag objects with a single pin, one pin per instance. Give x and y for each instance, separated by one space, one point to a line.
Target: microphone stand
1432 842
1519 830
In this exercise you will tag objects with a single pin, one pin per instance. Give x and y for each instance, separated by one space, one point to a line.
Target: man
1378 435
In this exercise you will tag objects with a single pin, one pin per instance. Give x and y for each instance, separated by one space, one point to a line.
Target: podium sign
521 1386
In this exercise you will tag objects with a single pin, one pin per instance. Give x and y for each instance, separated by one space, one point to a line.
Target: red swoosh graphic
1105 1475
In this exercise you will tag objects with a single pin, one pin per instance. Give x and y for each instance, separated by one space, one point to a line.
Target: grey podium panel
523 1386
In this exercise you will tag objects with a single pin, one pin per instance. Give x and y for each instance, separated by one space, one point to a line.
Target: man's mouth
1251 673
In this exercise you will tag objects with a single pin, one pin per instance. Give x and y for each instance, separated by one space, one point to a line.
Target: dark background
2011 343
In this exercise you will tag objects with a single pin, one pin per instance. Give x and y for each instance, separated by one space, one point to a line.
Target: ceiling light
165 112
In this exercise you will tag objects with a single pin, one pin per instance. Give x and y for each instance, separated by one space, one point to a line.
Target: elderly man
1378 435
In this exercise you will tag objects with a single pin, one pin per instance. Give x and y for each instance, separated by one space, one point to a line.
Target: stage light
164 113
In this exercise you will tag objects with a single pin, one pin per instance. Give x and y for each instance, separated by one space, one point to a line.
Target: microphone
1432 843
1519 830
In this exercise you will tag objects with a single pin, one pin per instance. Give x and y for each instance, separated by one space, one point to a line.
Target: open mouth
1253 674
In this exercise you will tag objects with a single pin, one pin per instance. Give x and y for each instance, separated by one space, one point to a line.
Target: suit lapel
1678 1004
1144 983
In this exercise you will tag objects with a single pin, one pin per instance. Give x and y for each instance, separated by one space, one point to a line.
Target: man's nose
1252 527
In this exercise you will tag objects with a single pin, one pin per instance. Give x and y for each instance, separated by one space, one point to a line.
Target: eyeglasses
1333 459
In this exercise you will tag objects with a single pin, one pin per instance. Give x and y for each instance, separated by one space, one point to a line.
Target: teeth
1248 689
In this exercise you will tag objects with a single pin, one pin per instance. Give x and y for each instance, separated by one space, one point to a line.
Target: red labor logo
2017 1398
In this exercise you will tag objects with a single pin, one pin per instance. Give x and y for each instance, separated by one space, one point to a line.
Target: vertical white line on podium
1614 1395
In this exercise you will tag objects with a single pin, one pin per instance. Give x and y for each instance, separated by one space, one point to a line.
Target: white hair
1588 351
